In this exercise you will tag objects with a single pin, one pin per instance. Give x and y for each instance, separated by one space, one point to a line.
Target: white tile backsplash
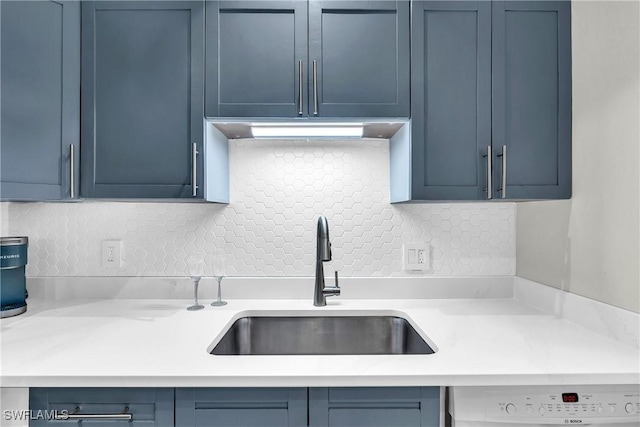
278 188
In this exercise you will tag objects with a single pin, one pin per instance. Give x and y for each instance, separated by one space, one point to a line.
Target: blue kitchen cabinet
142 99
313 407
298 59
374 407
256 58
359 59
40 101
238 407
241 407
491 102
531 57
451 102
105 407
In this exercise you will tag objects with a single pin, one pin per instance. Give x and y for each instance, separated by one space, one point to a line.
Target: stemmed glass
219 264
196 271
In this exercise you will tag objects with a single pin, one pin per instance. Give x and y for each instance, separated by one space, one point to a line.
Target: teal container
13 287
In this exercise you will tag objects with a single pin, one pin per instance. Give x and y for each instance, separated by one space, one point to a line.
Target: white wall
590 245
278 188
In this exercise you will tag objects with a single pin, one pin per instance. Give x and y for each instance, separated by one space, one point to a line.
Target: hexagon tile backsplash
278 189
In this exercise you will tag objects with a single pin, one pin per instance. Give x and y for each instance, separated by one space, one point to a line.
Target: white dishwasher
544 406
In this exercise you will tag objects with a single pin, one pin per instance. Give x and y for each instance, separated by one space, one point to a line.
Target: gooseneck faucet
323 254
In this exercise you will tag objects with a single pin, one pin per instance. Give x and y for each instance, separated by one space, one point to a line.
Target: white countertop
158 343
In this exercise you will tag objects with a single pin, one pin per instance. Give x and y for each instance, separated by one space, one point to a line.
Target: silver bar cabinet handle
72 171
315 87
503 185
300 108
488 190
194 169
126 416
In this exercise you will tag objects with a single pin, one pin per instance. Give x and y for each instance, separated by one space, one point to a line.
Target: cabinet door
241 407
147 407
40 103
256 58
361 51
142 98
451 99
532 98
374 407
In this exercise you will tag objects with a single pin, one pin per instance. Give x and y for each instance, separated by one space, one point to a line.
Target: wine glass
219 265
196 266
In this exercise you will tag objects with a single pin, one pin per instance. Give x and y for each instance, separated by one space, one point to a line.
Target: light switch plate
416 256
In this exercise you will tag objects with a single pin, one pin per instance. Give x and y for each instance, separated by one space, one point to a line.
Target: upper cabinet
491 101
451 102
255 54
359 58
142 99
294 59
489 91
532 99
40 102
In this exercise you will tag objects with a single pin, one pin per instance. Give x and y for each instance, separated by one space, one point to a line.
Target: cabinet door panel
451 99
241 407
142 97
362 53
532 97
40 97
253 50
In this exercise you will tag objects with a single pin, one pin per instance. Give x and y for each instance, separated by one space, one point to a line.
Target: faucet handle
331 291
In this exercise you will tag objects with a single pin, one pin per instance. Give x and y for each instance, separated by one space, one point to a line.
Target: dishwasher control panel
565 405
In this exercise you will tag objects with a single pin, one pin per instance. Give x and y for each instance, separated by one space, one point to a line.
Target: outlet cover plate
112 253
416 256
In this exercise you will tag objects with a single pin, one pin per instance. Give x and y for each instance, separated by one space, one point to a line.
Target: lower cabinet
104 407
238 407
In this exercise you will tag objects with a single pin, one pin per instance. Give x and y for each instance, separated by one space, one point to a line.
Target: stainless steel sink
309 335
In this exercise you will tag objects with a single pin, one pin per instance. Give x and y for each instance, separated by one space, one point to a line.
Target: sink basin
321 335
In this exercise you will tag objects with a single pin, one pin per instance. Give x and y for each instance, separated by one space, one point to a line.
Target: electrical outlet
112 253
416 256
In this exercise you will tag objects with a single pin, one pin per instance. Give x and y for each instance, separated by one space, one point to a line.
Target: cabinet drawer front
148 407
